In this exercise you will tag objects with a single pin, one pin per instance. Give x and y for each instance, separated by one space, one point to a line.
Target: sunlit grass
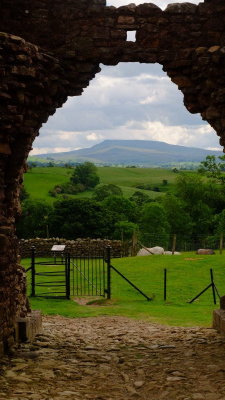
39 180
188 274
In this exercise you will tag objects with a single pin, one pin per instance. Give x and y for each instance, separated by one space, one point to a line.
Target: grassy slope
40 180
188 274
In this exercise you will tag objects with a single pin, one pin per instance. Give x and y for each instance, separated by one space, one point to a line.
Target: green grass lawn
188 274
40 180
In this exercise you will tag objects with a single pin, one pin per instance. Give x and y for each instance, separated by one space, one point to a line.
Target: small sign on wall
58 247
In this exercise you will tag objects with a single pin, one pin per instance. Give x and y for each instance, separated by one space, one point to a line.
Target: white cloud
44 150
127 101
160 3
193 136
184 135
149 99
67 135
214 148
94 137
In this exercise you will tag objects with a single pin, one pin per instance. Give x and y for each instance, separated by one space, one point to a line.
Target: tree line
195 207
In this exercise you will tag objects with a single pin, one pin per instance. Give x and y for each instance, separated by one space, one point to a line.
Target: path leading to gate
116 358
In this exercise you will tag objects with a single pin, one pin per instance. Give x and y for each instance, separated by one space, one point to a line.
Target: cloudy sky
127 101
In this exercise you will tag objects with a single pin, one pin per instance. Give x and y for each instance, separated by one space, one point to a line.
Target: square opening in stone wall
131 36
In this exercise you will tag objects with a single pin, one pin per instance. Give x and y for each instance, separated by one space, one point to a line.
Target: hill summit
132 152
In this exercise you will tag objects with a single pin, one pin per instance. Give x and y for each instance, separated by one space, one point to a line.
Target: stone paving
115 358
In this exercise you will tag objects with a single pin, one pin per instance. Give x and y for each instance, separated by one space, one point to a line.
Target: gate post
68 276
32 271
108 260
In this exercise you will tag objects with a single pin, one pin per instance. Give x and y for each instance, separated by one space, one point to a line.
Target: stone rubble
115 358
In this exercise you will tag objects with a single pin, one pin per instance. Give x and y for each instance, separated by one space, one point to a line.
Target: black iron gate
88 275
80 276
61 277
50 278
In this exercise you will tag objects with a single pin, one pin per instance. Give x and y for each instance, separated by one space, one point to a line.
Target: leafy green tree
103 191
73 218
190 188
220 222
178 218
213 169
198 198
34 220
124 230
121 208
154 222
67 188
86 175
140 198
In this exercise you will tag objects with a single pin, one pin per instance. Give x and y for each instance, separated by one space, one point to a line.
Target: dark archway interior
52 49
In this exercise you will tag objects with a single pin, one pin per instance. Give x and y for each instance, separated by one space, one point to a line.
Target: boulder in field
205 252
157 250
144 252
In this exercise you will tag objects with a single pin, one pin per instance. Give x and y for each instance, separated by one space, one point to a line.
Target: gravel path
115 358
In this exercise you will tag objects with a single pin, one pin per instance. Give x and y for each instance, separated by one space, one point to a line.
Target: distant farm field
39 180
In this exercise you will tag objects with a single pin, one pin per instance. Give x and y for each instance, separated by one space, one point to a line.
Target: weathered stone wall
78 247
32 86
52 49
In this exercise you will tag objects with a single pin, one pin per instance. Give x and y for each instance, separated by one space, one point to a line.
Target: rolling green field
188 274
40 180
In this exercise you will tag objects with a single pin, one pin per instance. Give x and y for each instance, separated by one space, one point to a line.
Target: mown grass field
188 274
40 180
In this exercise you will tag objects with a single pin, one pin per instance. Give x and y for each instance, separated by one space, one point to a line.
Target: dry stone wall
52 49
78 247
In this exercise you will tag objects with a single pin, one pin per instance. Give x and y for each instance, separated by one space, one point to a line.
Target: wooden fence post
221 243
174 243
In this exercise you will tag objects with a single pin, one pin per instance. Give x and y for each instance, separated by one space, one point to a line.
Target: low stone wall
76 247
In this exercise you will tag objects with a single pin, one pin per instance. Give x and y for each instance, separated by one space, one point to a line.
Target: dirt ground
109 358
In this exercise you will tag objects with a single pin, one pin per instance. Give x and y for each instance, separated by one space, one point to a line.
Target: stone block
219 321
27 328
122 20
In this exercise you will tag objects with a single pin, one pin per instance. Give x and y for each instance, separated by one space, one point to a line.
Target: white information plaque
58 247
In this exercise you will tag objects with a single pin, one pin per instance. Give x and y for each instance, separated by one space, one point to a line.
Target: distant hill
131 152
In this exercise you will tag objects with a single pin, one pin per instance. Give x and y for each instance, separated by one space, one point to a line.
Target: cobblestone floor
115 358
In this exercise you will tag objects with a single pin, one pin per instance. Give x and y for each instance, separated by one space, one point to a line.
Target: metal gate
50 278
81 276
61 277
88 275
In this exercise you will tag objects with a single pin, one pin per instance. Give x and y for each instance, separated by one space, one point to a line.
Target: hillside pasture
39 180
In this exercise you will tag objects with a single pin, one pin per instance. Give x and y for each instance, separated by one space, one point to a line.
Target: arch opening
130 100
40 68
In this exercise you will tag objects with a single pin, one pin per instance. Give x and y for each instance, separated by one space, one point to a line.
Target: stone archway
51 49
